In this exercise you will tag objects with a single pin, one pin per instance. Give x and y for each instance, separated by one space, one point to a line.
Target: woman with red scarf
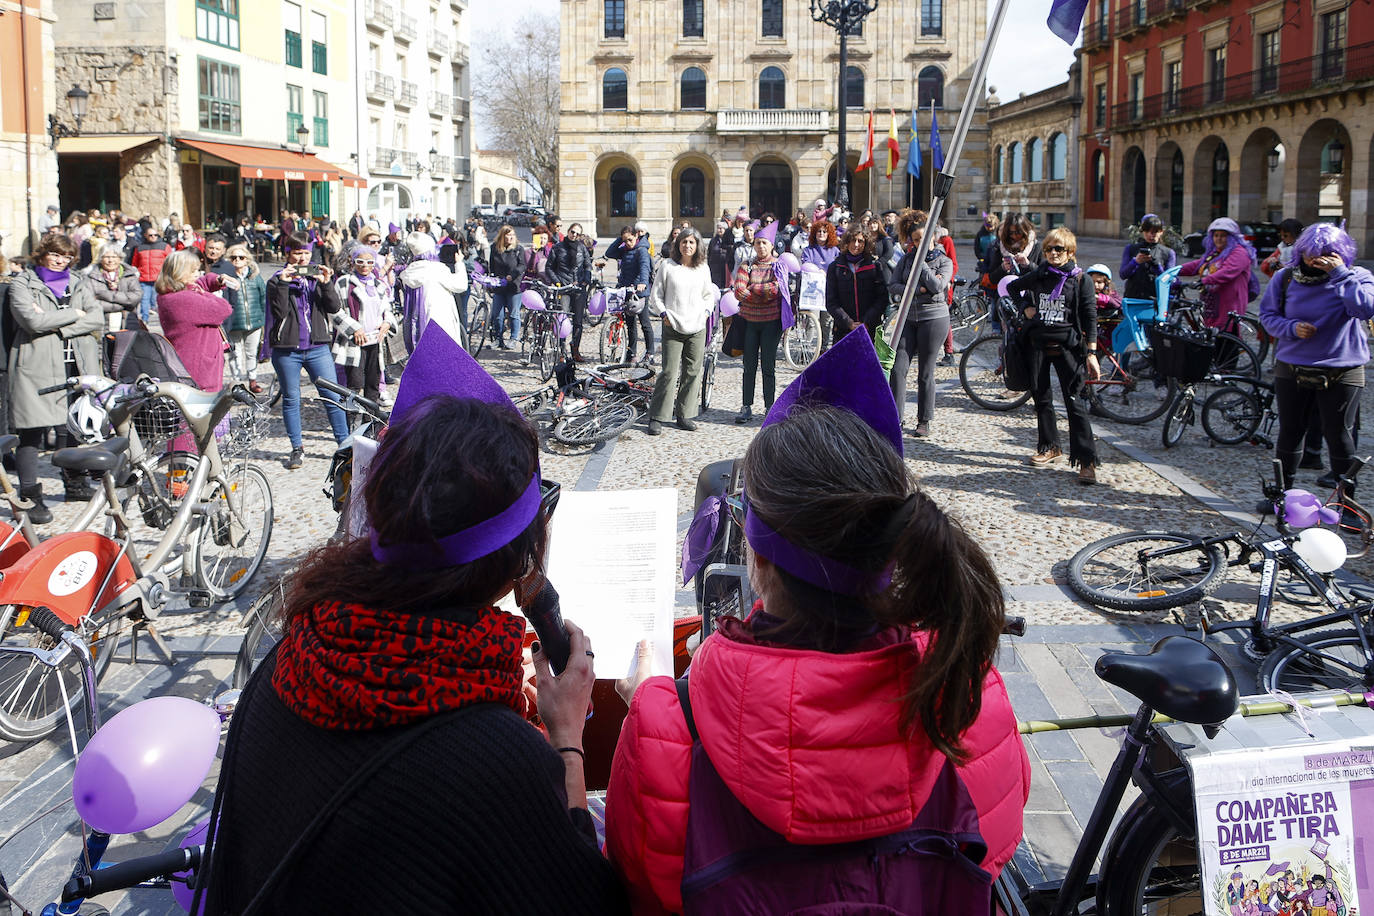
382 751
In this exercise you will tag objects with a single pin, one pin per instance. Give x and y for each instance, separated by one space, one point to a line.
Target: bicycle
969 313
710 355
1230 414
480 329
622 306
544 341
214 521
1246 328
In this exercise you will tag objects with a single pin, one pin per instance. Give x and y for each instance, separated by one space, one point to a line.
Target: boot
77 487
40 514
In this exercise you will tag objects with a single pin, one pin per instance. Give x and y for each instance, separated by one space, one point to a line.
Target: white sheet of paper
611 559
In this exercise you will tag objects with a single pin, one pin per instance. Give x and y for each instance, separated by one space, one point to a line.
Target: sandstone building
28 168
677 109
1034 158
498 179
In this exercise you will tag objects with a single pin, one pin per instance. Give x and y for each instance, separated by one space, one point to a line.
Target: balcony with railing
378 85
462 167
407 28
378 14
462 109
440 103
1313 75
408 96
441 165
438 44
772 120
460 55
1137 14
381 159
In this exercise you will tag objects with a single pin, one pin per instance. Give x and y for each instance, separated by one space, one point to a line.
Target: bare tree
517 93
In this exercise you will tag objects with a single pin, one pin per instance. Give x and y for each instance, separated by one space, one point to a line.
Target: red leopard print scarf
342 666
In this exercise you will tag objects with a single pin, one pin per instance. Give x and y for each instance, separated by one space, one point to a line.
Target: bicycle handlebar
48 622
371 407
133 872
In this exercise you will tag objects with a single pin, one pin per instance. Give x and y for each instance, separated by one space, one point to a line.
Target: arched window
514 196
693 89
1034 171
1014 163
997 166
853 87
693 19
930 87
624 193
1099 176
772 88
1056 158
500 196
486 197
615 90
691 193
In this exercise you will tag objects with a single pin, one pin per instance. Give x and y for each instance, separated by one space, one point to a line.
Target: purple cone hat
769 232
440 366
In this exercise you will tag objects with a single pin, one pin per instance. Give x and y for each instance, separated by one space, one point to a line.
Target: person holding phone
299 303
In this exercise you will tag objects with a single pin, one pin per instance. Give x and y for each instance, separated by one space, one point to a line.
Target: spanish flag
894 154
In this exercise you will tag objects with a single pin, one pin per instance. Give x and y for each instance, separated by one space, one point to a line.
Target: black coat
1080 300
857 293
567 262
286 325
509 264
718 259
992 263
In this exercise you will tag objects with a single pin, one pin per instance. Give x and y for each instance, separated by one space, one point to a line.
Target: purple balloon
810 267
790 261
563 325
1002 285
729 305
144 764
531 300
1301 509
596 303
184 894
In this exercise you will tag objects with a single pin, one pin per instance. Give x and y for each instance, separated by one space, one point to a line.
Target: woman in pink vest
1225 272
857 704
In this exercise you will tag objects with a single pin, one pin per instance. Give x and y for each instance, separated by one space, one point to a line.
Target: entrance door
770 190
319 199
87 181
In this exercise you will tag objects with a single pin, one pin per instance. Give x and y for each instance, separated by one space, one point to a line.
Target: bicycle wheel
708 379
595 421
1234 356
1249 329
1149 867
1177 420
801 343
1110 573
1230 415
264 632
972 325
1331 660
30 691
980 372
527 329
236 531
611 345
1130 390
626 372
479 325
154 500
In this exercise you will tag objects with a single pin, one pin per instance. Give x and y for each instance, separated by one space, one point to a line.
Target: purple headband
812 568
469 544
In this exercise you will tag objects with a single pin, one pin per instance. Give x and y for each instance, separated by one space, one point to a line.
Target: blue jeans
149 302
317 362
503 301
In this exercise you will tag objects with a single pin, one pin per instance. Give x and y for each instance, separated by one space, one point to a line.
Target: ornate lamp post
78 100
845 17
303 137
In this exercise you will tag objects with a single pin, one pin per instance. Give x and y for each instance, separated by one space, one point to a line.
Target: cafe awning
351 180
260 162
111 145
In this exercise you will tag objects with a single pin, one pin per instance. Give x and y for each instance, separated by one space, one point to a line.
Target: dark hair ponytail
829 484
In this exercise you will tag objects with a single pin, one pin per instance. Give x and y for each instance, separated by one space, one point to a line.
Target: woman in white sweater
683 296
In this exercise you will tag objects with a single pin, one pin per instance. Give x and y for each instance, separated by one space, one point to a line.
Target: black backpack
129 354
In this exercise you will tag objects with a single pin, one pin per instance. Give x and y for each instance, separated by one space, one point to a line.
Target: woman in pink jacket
1224 271
191 315
857 703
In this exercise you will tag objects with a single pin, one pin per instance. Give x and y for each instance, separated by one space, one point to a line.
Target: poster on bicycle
1287 831
812 293
615 299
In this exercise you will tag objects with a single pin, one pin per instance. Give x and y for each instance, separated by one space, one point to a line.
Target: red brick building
1195 109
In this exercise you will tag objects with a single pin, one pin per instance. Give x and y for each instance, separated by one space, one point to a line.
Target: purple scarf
1063 276
55 280
301 290
780 273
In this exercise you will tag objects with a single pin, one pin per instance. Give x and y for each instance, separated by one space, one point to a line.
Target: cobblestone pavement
1030 521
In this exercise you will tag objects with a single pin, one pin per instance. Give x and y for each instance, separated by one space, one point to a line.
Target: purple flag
1066 18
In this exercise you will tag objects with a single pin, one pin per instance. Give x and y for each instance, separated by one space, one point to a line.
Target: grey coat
126 295
36 351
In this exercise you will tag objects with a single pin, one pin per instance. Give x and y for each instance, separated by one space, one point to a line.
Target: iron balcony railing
438 44
407 28
1325 70
378 14
378 85
462 167
462 108
408 96
440 103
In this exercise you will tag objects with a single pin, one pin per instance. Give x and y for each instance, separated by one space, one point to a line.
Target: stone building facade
1196 109
678 109
1034 144
28 167
497 179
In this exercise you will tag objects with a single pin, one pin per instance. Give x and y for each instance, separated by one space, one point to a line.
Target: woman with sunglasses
1060 305
365 320
244 326
393 709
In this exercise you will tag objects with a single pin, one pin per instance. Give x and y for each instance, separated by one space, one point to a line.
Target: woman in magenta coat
191 315
1224 271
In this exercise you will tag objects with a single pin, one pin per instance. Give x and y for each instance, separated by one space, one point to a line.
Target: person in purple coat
1224 271
1316 311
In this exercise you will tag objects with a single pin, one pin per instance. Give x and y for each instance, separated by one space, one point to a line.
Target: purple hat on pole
440 366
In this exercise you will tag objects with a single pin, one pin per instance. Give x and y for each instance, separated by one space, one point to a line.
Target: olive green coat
36 351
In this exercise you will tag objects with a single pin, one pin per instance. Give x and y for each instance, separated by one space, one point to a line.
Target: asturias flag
894 152
913 150
866 161
1066 18
937 152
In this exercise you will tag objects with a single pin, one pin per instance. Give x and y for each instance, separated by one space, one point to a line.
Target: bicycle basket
158 421
247 428
1180 353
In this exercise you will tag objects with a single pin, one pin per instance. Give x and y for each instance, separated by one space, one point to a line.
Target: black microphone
546 616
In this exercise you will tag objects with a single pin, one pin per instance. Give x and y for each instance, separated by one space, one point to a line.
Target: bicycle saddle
1180 677
99 458
7 443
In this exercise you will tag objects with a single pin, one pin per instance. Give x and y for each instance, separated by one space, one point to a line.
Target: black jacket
992 263
1080 300
508 265
286 325
857 293
718 259
567 262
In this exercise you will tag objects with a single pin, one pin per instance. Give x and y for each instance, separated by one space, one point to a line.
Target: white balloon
1322 549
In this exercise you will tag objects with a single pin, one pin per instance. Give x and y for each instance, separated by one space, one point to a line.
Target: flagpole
943 182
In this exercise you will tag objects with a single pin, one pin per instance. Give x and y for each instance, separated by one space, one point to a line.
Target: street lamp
1335 155
302 137
1273 158
845 17
78 100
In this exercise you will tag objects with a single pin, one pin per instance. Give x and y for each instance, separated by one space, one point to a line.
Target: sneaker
947 360
745 415
655 428
689 425
922 430
1087 474
296 459
384 398
1046 457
